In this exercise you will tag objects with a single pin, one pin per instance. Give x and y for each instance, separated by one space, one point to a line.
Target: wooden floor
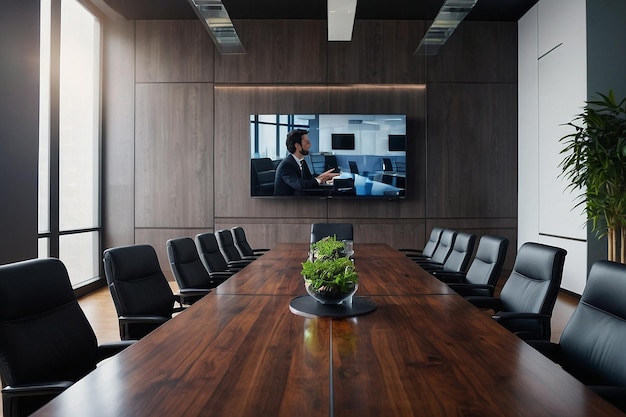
99 309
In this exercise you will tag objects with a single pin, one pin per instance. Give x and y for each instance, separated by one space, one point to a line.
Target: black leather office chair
342 231
227 246
141 294
242 244
46 341
343 186
429 247
192 278
387 165
591 347
528 296
442 251
212 258
484 271
262 174
459 257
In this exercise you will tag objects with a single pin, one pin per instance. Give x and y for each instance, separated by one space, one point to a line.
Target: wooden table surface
240 352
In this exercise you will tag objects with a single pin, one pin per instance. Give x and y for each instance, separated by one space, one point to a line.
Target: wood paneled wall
190 170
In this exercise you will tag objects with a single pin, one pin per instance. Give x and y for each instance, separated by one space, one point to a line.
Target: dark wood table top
382 271
246 354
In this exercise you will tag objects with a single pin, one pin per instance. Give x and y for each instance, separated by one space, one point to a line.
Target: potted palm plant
595 164
329 274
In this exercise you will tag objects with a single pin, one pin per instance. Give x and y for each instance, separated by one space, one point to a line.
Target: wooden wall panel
477 52
173 159
472 151
118 150
380 52
173 51
277 51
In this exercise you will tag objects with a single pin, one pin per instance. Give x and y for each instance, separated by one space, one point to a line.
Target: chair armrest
194 293
528 326
106 350
449 276
142 319
260 251
48 388
431 267
238 265
485 302
222 275
425 262
472 290
191 295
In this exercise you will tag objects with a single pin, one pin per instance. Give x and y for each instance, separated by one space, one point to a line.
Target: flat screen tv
342 141
368 151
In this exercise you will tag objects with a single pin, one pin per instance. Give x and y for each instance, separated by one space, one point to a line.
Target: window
69 158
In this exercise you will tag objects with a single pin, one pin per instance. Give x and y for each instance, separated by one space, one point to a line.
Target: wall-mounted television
397 143
367 150
342 141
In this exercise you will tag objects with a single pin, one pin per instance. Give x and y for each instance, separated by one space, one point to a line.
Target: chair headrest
127 263
606 288
31 287
182 250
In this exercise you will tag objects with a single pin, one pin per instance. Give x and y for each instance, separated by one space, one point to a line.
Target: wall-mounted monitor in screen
397 143
356 146
342 141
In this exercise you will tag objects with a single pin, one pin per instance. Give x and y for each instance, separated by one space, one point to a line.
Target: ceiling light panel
341 19
216 20
450 15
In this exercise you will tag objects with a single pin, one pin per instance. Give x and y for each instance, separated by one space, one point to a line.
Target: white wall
552 90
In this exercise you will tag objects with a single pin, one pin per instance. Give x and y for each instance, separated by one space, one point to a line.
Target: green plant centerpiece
329 275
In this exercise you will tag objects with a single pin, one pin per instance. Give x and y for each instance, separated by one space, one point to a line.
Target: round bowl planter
332 294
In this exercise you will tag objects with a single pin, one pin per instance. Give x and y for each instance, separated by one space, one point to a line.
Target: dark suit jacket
290 180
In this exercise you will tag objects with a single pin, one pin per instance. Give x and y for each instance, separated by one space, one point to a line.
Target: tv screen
342 141
397 143
368 151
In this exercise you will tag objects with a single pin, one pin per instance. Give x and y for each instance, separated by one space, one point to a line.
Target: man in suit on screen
293 176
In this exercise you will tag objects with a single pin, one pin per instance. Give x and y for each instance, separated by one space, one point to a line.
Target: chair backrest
344 186
592 342
44 334
487 264
387 165
535 279
210 253
136 281
444 248
433 242
354 169
186 265
462 251
241 242
227 246
343 231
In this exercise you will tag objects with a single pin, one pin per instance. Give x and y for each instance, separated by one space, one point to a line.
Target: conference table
241 351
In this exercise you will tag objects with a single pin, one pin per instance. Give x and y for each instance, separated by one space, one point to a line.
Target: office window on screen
69 150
